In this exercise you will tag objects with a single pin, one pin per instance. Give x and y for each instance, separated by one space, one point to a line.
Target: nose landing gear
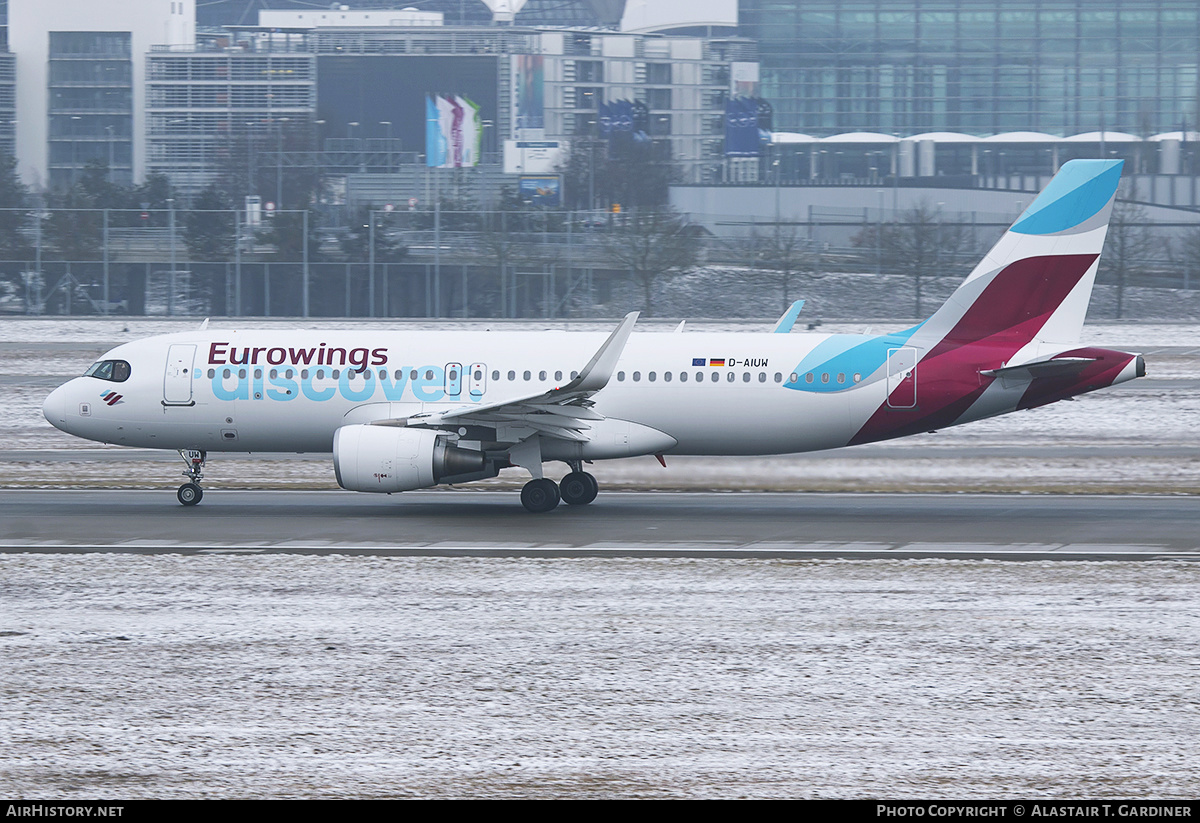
190 493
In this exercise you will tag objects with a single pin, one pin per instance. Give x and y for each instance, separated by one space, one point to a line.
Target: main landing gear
542 494
190 493
578 488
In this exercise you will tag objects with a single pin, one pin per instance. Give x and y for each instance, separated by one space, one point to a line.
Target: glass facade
210 114
977 66
8 103
90 105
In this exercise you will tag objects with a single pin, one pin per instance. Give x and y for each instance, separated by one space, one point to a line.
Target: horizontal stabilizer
1059 367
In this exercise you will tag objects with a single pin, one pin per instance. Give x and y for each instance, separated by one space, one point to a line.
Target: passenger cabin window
116 371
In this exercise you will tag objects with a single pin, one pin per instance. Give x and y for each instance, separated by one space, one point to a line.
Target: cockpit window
116 371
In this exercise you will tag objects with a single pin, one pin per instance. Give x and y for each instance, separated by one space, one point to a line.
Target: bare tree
1130 243
634 174
208 226
500 245
14 202
919 244
783 257
1188 255
653 245
356 242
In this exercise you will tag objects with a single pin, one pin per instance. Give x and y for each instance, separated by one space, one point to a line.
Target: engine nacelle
395 459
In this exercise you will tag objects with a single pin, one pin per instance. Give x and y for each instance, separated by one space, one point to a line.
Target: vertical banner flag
528 83
446 127
605 120
453 132
435 143
624 120
472 132
747 124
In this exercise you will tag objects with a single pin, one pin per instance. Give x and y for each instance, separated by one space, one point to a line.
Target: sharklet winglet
788 320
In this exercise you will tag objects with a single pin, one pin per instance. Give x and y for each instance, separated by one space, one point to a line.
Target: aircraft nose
55 407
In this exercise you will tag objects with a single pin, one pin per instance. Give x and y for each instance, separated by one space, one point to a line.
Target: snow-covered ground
291 676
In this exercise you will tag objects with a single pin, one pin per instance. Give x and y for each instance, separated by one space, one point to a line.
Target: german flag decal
716 361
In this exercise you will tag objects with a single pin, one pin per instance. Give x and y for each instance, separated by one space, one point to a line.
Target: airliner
414 409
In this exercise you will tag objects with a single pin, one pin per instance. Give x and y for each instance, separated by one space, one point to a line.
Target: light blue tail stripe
1079 190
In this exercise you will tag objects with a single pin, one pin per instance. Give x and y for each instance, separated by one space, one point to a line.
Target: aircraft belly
282 427
771 421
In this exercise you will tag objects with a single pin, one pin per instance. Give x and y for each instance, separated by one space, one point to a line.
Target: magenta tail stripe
1027 289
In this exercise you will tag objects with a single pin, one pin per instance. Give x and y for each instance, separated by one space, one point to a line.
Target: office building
216 108
81 69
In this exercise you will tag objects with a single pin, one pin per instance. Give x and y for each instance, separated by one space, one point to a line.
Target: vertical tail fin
1036 282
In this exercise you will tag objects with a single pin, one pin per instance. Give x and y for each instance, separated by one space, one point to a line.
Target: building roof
946 137
1102 136
861 137
1022 137
792 137
1185 136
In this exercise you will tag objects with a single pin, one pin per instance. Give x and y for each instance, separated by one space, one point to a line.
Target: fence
433 263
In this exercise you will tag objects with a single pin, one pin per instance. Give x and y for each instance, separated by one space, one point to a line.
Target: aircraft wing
563 412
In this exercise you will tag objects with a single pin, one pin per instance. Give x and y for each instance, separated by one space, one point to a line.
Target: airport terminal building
980 67
862 90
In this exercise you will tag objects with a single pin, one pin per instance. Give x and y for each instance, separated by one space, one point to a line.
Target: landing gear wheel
540 495
190 494
578 488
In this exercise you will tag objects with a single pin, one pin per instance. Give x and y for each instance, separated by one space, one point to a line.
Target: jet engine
395 459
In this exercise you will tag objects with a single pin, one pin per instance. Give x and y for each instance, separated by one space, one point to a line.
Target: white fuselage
278 402
727 393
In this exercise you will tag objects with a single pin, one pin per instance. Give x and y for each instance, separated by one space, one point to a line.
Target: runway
619 524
